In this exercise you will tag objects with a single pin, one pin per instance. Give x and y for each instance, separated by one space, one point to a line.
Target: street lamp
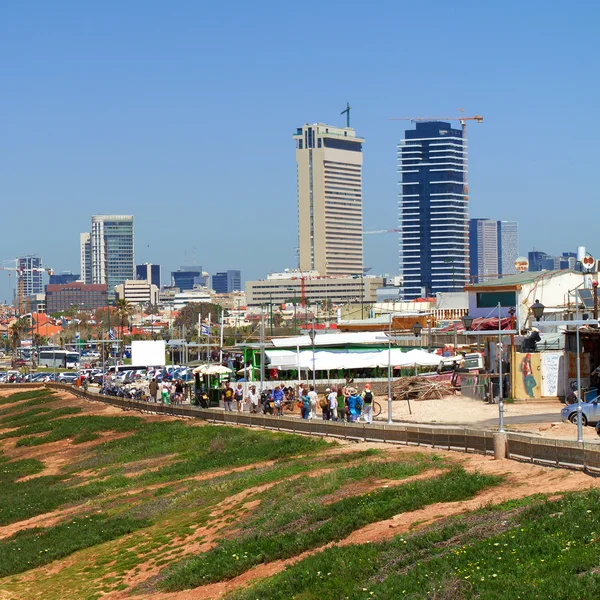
188 339
467 321
165 336
417 328
537 308
311 333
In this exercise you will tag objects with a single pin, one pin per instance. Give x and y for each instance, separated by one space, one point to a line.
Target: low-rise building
288 286
61 297
137 291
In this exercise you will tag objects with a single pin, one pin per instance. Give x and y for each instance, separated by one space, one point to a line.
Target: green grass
546 550
26 395
35 547
319 525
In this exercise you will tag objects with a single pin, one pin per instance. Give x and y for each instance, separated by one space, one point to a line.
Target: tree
17 331
188 315
124 311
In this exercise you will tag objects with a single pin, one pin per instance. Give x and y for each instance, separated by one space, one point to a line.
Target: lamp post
500 399
188 339
311 333
166 337
271 311
417 328
291 289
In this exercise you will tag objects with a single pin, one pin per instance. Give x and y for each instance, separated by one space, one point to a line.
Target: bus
64 359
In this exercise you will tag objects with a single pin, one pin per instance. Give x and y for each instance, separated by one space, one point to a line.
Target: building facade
138 292
187 277
508 246
85 257
330 215
148 272
227 282
66 277
540 261
434 238
61 297
111 255
280 288
483 249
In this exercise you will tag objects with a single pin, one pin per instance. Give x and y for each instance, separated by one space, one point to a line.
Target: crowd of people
343 403
169 392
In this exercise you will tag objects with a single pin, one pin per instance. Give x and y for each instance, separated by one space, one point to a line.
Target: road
550 417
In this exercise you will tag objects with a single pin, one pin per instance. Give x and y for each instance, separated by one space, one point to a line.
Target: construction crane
21 271
463 121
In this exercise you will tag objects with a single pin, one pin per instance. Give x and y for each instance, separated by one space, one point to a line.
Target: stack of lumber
421 388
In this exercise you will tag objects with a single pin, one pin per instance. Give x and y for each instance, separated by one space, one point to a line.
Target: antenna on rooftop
347 113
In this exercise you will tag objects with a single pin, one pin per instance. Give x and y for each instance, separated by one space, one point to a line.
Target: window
300 144
319 143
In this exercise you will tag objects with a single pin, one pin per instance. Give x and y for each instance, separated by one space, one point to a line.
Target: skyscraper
226 282
508 246
484 246
434 247
30 275
85 257
148 272
187 277
110 246
330 221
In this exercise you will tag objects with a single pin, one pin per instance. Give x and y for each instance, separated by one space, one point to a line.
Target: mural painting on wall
528 378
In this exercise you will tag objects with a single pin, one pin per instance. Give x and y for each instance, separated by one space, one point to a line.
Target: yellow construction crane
463 121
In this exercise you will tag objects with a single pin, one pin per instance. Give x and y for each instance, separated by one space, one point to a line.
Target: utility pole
262 349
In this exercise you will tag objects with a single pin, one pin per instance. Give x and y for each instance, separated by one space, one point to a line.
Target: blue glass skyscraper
434 238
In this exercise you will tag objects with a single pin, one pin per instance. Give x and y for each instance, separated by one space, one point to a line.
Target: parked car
590 412
66 377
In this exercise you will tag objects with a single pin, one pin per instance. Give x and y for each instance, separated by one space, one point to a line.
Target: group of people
344 403
169 392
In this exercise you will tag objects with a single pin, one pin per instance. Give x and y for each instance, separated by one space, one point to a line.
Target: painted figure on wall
528 379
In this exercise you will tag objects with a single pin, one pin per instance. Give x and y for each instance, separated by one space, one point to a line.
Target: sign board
148 353
521 264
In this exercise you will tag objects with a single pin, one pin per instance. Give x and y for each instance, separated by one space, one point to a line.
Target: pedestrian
278 394
178 397
165 391
312 394
367 402
305 410
333 405
238 395
354 405
324 404
227 397
153 389
341 403
252 399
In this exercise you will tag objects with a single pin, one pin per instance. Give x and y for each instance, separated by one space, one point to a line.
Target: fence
521 447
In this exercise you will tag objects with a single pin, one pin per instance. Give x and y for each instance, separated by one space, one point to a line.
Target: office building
483 249
137 292
30 275
187 277
280 288
330 216
65 277
229 281
111 257
508 246
148 272
434 244
540 261
61 297
85 257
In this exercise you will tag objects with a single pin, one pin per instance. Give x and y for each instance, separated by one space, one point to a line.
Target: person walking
153 390
305 410
227 397
354 405
165 391
341 404
367 402
324 404
252 398
238 396
178 397
333 404
278 400
312 394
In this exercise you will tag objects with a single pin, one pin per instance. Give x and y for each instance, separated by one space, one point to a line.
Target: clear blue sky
182 113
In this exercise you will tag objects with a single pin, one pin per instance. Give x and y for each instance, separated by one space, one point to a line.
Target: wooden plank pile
421 388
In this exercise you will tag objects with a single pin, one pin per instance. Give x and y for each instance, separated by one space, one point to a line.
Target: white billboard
148 353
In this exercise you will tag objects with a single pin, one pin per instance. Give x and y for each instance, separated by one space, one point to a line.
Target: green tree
188 315
124 312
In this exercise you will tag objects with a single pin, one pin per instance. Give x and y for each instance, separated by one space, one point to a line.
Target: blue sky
182 113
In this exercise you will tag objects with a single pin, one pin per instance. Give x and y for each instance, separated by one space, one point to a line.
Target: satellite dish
521 264
588 262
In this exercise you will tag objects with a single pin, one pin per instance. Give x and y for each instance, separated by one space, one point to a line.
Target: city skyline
125 127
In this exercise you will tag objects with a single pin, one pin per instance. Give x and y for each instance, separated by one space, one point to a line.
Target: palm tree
124 311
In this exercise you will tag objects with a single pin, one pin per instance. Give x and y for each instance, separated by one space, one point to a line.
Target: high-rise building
540 261
330 222
148 272
61 297
434 244
508 246
85 257
110 246
30 275
483 249
227 282
65 277
187 277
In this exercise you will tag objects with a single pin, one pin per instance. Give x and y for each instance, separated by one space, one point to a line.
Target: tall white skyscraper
330 223
483 240
110 250
508 246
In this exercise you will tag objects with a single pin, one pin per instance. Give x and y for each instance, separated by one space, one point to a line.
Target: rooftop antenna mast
347 113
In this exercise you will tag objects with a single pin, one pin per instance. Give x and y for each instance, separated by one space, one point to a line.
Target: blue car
590 413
